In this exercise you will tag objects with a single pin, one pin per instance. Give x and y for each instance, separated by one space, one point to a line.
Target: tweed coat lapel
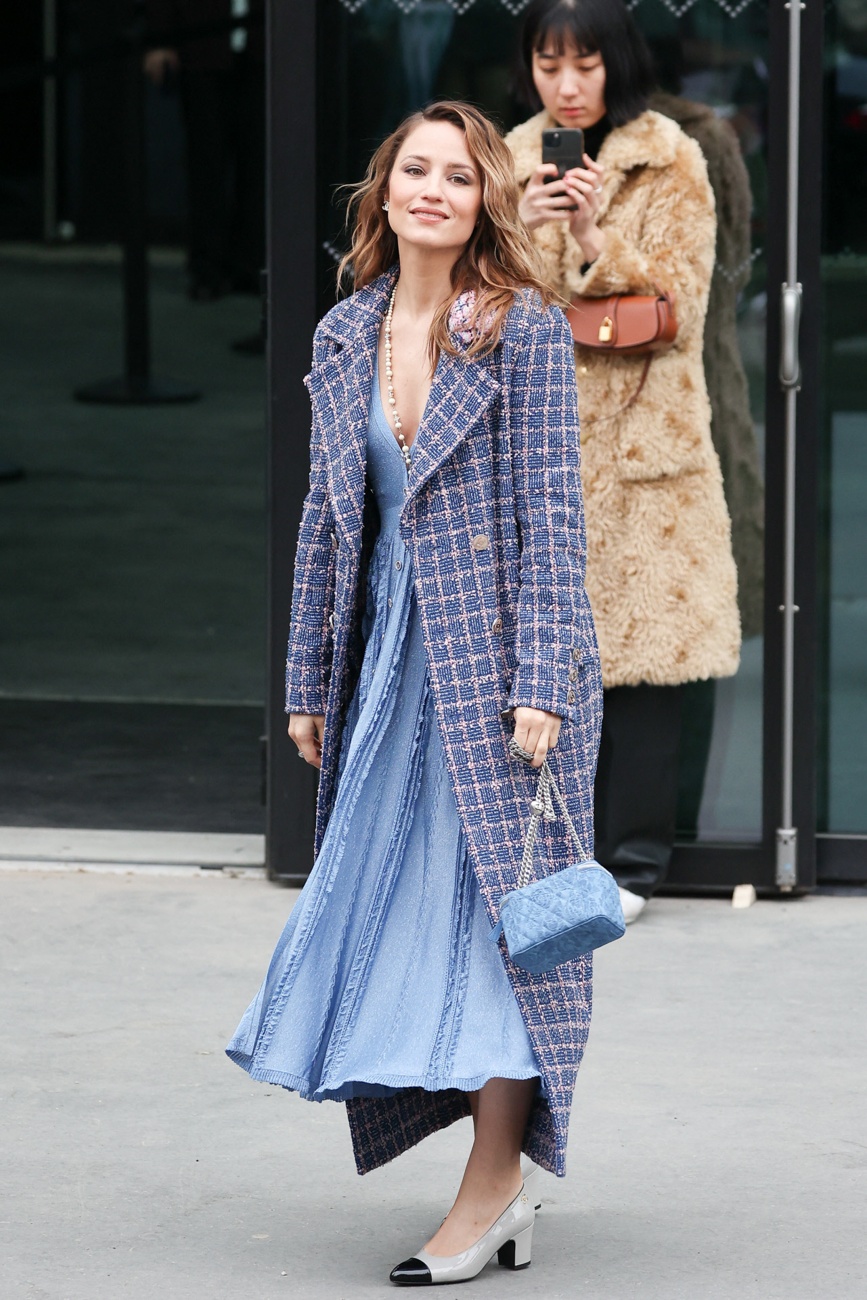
340 387
461 393
337 392
340 394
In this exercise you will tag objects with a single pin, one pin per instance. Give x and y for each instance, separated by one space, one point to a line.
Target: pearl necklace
389 378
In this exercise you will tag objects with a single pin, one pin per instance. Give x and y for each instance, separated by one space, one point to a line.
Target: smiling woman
492 259
438 602
434 197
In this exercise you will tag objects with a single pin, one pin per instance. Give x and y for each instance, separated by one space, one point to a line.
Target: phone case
565 147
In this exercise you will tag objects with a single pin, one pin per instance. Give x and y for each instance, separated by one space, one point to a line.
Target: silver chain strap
541 808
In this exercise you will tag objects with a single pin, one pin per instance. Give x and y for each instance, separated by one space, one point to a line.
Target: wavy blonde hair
498 259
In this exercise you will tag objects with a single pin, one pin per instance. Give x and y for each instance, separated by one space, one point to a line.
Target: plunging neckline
382 422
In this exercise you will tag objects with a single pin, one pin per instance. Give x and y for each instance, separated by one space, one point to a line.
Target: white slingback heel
510 1239
530 1174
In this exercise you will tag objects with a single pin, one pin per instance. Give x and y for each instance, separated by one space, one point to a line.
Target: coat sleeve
676 248
554 623
308 660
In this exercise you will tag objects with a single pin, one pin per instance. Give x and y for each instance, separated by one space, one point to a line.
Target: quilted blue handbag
565 914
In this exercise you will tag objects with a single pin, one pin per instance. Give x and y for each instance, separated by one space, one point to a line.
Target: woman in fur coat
438 600
637 217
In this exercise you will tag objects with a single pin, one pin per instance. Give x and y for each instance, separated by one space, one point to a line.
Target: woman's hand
537 732
584 188
307 730
540 202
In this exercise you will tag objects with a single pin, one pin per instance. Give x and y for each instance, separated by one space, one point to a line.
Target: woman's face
571 85
435 189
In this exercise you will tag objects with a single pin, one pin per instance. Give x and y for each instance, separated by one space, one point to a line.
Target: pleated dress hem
383 1086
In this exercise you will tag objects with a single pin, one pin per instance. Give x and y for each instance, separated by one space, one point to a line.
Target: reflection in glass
714 84
732 427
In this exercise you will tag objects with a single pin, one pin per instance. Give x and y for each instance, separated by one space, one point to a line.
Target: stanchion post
49 123
136 286
136 386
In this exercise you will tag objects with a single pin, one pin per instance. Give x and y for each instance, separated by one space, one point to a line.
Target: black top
594 135
593 138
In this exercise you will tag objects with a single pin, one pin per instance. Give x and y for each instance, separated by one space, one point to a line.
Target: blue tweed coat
494 521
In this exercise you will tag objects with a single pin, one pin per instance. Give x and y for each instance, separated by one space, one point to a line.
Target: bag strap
598 419
541 808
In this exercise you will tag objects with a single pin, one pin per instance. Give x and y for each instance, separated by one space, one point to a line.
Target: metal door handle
790 324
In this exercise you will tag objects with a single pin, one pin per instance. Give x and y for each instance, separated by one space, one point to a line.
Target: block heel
510 1239
516 1253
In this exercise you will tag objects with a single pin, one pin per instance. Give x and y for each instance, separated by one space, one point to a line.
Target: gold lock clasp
606 330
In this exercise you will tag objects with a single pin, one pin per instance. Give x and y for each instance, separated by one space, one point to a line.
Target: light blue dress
385 976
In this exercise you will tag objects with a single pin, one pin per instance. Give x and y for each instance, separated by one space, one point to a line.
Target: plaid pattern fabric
494 521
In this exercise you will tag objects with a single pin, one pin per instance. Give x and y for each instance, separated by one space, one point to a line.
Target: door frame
291 315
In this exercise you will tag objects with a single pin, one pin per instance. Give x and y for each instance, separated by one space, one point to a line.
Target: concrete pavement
718 1148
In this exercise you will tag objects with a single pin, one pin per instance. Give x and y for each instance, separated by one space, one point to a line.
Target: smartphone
565 147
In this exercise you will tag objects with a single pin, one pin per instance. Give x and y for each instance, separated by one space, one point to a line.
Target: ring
300 755
597 189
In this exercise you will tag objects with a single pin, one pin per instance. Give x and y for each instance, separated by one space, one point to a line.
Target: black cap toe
412 1272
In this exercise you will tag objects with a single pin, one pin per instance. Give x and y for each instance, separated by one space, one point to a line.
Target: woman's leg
492 1178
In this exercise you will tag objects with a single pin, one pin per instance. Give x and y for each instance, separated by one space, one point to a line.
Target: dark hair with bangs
604 27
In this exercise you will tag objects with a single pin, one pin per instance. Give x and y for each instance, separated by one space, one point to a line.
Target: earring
385 206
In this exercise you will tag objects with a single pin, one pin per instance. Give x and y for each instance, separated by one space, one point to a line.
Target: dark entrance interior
132 578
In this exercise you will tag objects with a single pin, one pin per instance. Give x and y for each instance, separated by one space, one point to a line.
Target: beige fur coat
660 573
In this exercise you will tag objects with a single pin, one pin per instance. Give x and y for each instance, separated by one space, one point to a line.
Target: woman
446 384
636 218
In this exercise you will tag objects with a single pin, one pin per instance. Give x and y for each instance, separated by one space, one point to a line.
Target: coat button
334 542
497 625
576 654
573 674
331 621
398 564
480 542
570 698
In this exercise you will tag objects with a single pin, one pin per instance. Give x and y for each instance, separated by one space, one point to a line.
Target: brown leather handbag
630 324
